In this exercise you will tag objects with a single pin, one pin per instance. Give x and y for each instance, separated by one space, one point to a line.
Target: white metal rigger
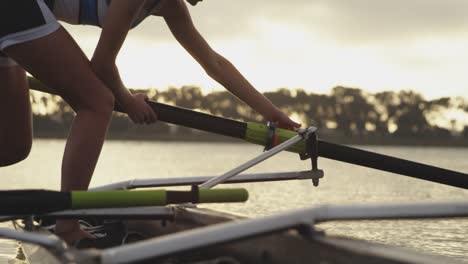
303 134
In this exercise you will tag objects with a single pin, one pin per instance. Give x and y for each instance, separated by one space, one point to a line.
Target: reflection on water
440 237
10 251
343 184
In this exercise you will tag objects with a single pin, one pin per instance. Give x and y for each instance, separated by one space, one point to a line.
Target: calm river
343 184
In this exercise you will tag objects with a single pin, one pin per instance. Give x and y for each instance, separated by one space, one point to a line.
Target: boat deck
298 244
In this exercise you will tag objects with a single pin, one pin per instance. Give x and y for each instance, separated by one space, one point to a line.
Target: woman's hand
283 121
134 105
138 109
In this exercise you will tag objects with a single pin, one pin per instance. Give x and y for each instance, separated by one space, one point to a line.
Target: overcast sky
311 44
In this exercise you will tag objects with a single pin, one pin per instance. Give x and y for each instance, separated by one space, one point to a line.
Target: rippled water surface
343 184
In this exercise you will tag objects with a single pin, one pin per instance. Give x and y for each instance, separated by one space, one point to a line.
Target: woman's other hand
283 121
138 109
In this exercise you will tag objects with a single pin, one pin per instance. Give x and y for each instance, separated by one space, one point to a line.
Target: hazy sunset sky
311 44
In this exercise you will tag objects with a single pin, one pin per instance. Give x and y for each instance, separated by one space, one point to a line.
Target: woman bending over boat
32 40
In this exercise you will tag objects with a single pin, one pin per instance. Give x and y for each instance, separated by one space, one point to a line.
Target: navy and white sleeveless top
93 12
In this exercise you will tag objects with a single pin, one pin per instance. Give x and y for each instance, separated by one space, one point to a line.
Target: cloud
344 20
352 22
372 44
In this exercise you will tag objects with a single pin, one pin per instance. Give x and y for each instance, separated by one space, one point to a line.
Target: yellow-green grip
258 134
223 195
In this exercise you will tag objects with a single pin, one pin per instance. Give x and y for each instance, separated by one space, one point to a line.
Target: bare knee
15 152
101 103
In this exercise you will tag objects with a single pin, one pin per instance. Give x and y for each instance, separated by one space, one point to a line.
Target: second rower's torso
69 10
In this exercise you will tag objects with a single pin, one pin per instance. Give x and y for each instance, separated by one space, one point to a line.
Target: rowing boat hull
300 245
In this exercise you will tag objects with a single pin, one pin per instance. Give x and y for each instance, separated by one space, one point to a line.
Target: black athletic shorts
22 21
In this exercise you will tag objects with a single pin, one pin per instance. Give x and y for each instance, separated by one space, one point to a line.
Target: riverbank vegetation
345 115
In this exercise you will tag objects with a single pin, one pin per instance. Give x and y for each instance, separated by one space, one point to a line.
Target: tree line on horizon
345 111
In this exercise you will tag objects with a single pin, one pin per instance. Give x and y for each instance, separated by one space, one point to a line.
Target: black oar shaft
200 121
392 164
236 129
27 202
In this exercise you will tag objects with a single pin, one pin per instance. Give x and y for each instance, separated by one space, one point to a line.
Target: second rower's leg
61 64
15 114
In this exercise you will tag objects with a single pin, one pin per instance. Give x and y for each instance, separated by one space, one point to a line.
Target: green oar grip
109 199
223 195
258 134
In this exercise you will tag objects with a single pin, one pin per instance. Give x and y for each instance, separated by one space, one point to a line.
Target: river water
343 184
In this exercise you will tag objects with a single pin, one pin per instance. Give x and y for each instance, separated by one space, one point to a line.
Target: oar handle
109 199
29 202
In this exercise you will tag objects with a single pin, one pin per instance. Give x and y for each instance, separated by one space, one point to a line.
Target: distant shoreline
207 137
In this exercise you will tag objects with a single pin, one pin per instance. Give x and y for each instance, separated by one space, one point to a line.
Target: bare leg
15 116
61 64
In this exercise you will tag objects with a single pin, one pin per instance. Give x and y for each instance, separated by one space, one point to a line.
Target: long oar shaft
257 133
391 164
27 202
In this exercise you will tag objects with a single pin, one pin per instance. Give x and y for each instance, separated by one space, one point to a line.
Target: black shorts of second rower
19 15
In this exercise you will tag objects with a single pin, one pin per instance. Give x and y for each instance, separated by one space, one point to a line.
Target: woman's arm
178 19
114 31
